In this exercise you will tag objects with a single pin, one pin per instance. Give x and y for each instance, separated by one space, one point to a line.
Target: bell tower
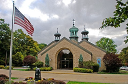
73 32
57 36
85 34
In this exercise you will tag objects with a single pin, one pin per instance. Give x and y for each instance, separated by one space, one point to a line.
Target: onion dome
73 32
84 34
57 36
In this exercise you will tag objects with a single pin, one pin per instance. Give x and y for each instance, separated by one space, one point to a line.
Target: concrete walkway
69 75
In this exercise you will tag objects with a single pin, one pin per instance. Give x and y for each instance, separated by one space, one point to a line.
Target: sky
48 15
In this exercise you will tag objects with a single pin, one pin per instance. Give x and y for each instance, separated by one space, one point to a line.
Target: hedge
2 67
83 70
44 68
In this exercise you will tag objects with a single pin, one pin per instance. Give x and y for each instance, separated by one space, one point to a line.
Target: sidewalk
69 75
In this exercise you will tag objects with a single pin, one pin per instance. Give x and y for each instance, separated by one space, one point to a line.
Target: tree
29 60
124 56
25 44
80 61
107 44
112 62
5 34
47 61
17 59
42 45
120 16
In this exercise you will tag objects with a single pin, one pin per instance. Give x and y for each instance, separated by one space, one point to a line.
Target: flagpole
10 62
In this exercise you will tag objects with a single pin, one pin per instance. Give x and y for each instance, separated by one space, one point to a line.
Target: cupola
73 32
57 36
84 34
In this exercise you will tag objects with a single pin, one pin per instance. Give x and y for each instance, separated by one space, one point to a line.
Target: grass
120 72
74 82
22 69
14 78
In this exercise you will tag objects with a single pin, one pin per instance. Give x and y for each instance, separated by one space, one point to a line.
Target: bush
88 64
47 60
3 80
83 70
80 61
112 62
95 67
7 67
29 60
38 64
20 83
46 68
50 82
2 67
34 68
4 76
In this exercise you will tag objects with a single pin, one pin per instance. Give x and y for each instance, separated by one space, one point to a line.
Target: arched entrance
65 59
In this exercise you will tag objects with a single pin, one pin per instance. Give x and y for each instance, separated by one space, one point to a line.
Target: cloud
48 15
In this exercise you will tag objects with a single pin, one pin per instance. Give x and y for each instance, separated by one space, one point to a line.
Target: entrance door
64 64
65 60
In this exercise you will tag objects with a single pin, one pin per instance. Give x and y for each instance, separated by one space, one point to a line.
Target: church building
64 53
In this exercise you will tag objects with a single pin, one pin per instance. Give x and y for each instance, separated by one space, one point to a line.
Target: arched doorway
65 59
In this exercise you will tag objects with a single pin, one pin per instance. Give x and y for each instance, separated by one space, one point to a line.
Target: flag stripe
22 21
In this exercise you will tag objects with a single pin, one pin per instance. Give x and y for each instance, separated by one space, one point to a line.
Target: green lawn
22 69
14 78
74 82
120 72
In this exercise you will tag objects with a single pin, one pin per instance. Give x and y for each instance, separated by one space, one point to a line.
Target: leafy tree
107 44
42 45
80 61
120 16
5 34
29 60
17 59
47 61
112 62
24 44
124 56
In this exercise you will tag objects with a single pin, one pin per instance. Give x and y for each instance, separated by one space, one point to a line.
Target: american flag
21 20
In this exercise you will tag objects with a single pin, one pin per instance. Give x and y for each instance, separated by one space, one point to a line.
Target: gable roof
64 38
46 47
92 45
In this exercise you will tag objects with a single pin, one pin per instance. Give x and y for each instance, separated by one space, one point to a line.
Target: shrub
42 68
47 60
7 67
83 70
20 83
34 68
4 76
8 82
2 80
29 60
112 62
80 61
46 68
95 67
38 64
2 67
88 64
50 82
